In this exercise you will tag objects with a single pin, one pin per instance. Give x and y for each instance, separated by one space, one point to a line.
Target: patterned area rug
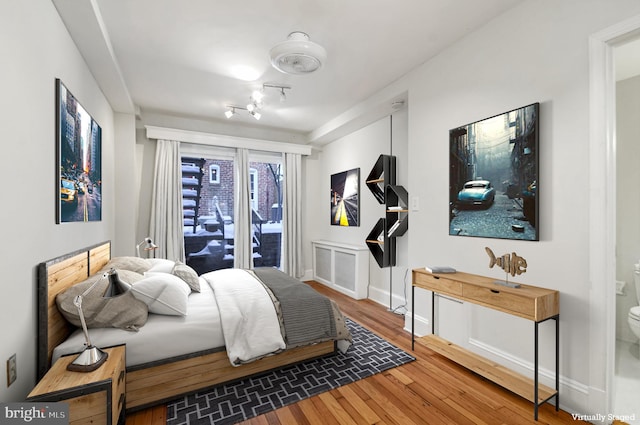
251 397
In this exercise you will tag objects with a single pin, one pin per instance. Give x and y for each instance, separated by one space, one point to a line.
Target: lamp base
89 360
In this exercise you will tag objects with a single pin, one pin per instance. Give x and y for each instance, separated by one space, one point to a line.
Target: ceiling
177 57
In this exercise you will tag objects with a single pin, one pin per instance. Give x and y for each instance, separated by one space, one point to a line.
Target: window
208 207
266 201
214 173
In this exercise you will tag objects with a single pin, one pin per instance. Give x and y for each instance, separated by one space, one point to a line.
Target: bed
198 363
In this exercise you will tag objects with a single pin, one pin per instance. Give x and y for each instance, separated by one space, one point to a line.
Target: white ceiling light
257 96
281 89
231 112
297 55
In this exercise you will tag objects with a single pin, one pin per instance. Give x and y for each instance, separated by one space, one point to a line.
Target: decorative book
440 269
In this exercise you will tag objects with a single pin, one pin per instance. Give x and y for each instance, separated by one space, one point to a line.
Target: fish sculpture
512 264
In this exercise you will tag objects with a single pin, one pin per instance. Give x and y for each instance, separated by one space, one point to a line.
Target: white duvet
250 323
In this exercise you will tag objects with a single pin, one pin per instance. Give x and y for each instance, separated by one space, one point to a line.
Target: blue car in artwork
476 193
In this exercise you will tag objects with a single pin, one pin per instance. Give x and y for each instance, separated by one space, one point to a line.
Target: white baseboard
574 396
308 275
380 296
422 324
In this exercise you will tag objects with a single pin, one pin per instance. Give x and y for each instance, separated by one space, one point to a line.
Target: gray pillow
187 274
121 310
134 264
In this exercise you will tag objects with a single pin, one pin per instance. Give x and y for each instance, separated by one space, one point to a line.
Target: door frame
602 237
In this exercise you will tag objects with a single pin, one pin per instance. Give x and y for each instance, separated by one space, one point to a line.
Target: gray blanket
307 315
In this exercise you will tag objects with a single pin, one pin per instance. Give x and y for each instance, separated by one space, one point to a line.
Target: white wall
36 49
536 52
360 149
628 199
127 184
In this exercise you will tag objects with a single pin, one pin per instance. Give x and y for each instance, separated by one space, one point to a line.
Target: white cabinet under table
529 302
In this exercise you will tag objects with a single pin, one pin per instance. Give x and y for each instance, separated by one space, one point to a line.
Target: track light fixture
281 88
256 101
231 111
257 96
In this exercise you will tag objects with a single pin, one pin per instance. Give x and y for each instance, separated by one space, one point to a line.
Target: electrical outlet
12 370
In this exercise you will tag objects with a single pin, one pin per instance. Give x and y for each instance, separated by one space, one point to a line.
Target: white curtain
292 216
166 226
243 243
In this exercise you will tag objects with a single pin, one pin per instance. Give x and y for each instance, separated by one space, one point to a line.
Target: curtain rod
211 139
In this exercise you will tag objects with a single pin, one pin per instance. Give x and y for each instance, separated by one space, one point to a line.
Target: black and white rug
251 397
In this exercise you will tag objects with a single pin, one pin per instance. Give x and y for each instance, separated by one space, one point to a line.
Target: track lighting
231 111
283 95
256 101
257 96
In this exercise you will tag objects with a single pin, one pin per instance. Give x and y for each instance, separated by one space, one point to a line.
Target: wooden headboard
55 276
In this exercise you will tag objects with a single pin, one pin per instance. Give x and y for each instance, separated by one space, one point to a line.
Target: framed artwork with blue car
493 176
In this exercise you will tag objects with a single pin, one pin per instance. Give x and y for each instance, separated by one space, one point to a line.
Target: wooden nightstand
94 397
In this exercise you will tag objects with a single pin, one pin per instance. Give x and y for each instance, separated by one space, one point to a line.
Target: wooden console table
529 302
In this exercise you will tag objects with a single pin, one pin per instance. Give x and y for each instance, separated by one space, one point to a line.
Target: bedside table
93 397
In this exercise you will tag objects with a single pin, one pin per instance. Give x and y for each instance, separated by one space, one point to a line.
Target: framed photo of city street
345 198
78 160
493 176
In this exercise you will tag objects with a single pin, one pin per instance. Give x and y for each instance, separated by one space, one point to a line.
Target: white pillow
163 293
160 265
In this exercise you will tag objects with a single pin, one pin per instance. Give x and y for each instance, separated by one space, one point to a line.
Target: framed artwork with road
78 160
345 198
493 180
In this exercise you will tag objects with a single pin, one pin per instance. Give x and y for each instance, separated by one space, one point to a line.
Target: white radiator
342 267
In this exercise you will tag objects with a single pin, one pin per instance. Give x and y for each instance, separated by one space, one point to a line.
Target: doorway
626 381
603 217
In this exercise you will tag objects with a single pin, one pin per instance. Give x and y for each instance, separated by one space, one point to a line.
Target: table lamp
148 246
91 357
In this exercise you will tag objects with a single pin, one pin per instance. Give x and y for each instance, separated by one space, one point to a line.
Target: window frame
215 180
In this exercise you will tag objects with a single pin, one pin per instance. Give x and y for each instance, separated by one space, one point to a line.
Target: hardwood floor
430 390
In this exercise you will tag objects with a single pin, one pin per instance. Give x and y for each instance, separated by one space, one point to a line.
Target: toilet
634 312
